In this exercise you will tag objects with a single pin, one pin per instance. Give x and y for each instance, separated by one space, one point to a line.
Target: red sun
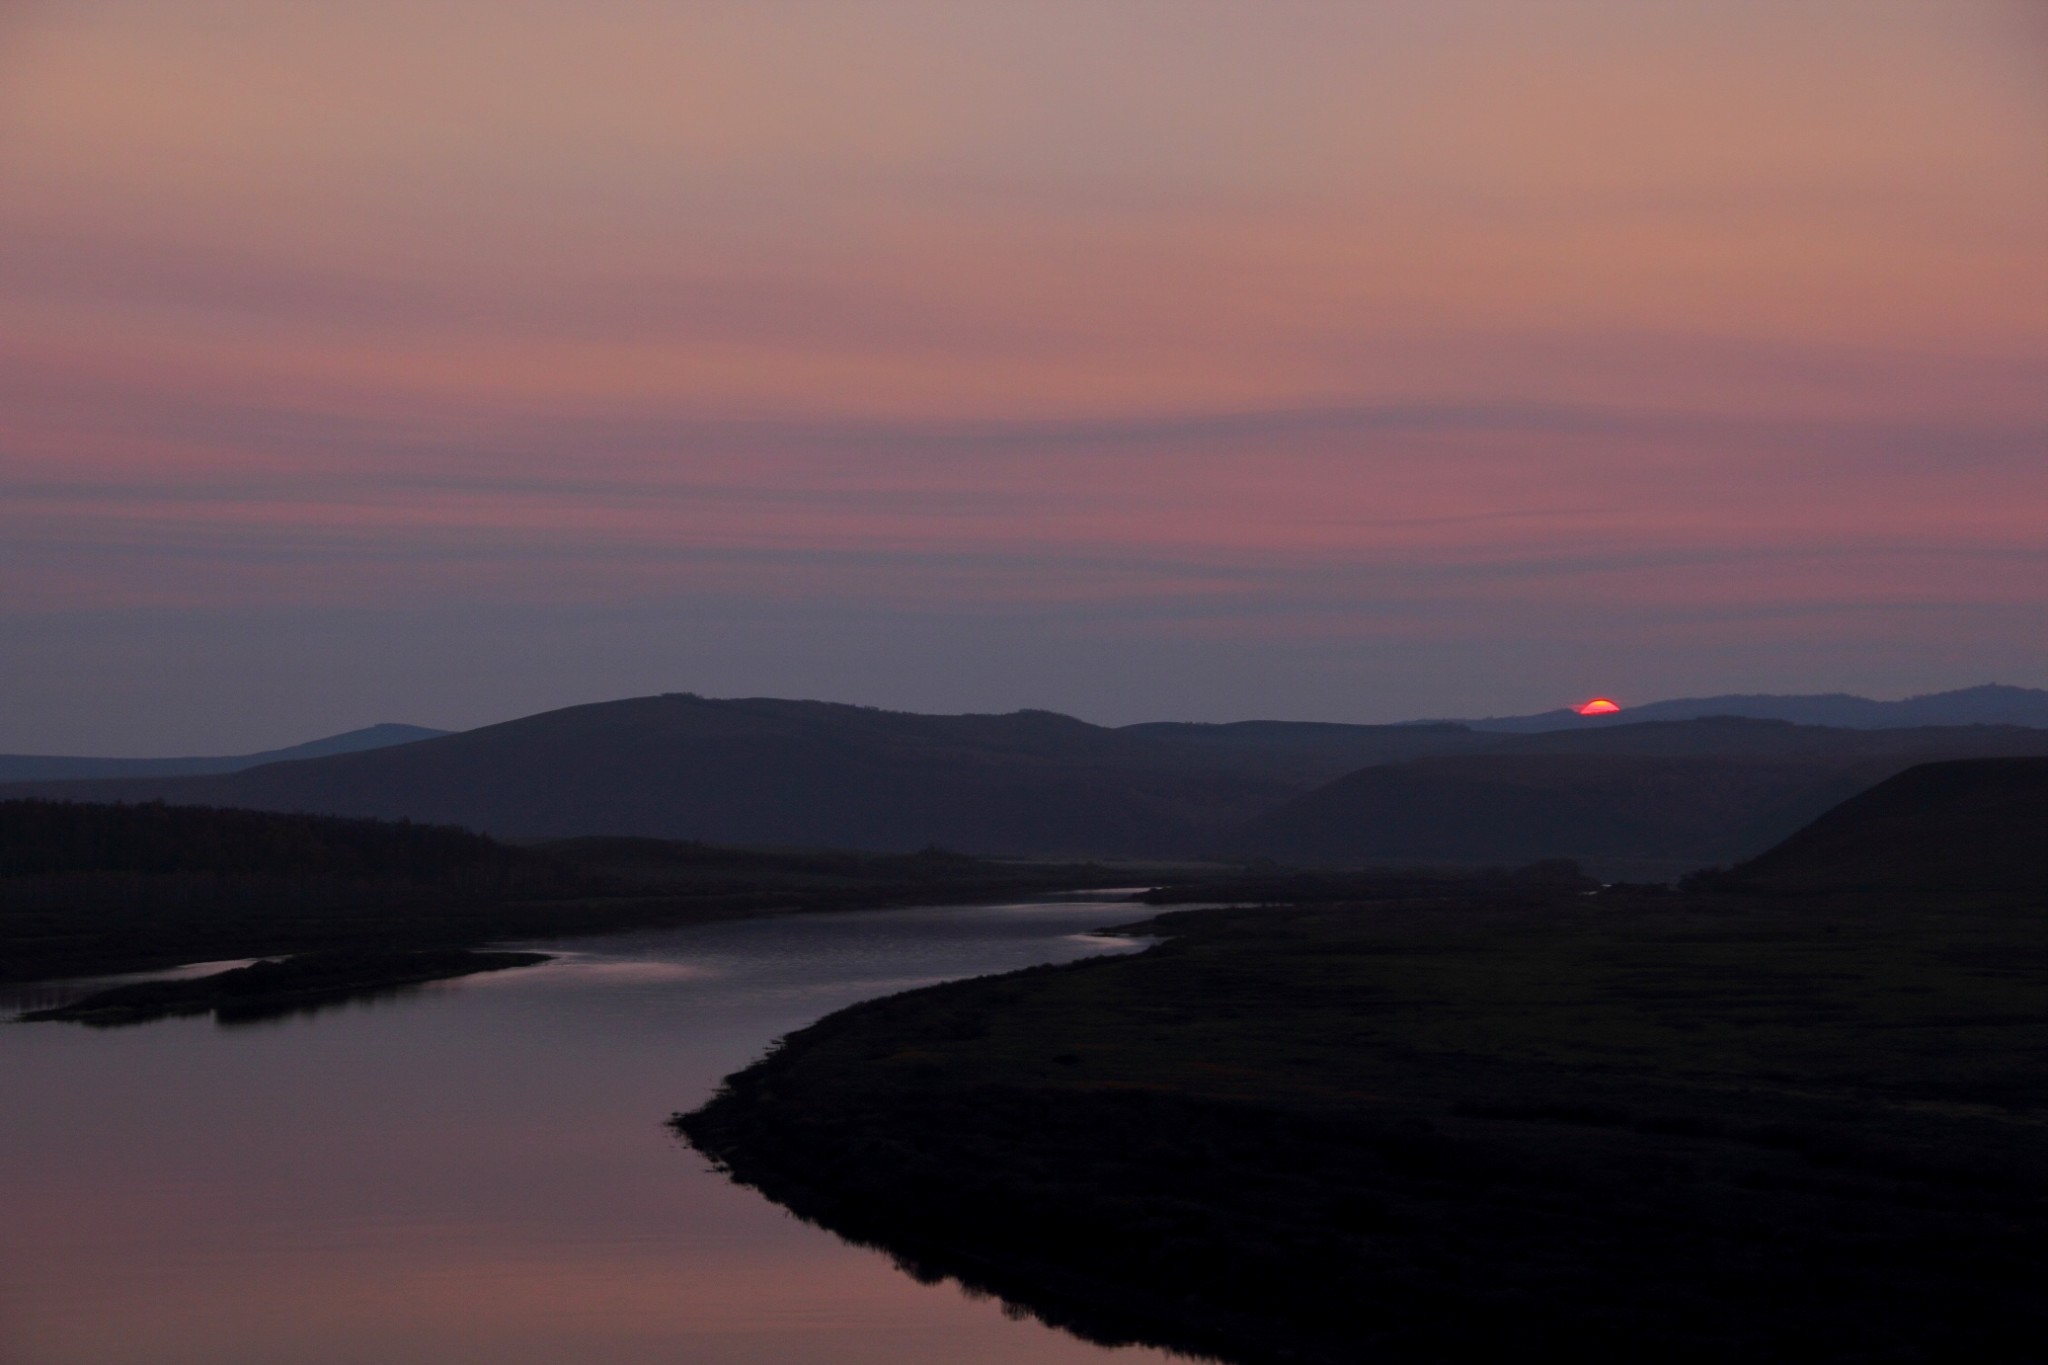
1599 706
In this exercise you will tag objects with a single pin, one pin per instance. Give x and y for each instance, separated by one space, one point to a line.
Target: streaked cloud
1229 321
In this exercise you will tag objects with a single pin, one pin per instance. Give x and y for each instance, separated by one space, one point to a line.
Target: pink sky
437 361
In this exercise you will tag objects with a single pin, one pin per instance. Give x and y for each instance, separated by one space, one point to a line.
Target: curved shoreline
1323 1135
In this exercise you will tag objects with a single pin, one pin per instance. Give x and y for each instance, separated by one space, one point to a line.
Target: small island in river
270 988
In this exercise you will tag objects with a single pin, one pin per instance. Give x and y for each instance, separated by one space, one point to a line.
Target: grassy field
1682 1126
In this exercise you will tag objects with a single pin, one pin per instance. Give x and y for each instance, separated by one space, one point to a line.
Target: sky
448 360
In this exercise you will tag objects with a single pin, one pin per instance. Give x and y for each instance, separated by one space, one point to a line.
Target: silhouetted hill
61 768
764 771
1970 826
1990 704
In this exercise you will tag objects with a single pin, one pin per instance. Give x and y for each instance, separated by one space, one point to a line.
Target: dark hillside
1669 793
1322 752
1973 826
1522 808
91 888
1781 740
1312 750
54 838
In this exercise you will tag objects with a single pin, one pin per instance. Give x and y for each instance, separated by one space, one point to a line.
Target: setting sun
1599 706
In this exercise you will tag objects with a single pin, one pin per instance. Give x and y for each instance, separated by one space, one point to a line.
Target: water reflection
477 1170
266 1015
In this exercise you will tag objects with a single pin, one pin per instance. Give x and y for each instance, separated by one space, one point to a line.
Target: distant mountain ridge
1314 748
1989 704
1632 798
63 768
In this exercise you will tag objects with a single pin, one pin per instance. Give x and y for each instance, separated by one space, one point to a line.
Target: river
477 1172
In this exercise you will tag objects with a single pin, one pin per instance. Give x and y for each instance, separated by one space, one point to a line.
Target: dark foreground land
89 889
1788 1118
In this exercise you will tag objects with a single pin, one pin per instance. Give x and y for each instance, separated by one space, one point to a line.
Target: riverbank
1689 1127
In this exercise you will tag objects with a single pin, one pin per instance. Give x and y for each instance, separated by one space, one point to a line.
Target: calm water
477 1172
